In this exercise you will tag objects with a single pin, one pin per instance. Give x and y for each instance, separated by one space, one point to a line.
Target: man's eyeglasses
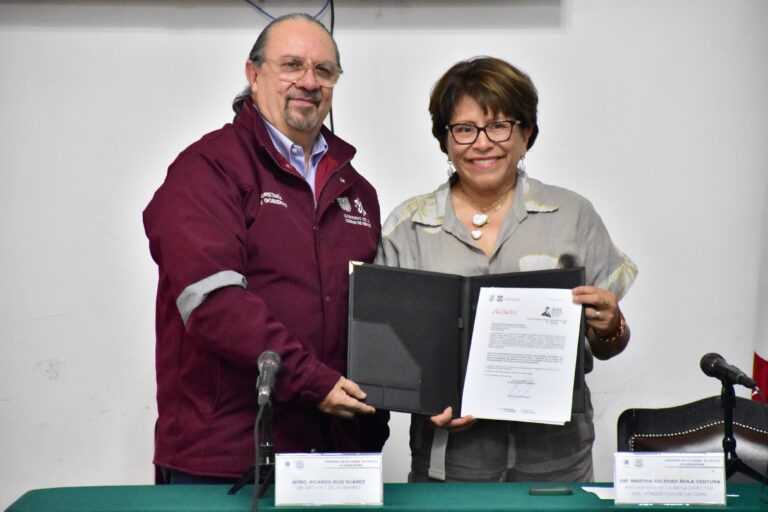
293 69
497 131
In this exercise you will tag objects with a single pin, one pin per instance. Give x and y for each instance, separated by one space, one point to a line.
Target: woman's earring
521 164
450 169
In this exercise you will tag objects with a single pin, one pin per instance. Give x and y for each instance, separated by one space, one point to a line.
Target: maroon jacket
230 203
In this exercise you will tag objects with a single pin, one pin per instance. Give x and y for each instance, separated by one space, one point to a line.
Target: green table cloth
509 497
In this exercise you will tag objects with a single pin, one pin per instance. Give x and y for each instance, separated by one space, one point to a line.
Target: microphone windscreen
709 363
269 357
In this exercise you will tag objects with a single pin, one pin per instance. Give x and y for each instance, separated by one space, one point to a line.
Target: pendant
476 234
479 219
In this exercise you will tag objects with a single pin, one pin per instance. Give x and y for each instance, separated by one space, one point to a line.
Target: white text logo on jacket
357 220
272 198
344 203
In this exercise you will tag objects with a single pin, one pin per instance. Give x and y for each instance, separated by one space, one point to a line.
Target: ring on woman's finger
597 314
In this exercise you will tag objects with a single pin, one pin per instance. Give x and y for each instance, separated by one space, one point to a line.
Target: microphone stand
733 464
264 457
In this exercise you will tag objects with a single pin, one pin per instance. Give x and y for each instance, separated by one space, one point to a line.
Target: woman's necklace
481 216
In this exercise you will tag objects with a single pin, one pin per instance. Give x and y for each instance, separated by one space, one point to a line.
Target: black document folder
410 332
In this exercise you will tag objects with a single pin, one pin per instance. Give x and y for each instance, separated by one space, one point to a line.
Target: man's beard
302 122
305 119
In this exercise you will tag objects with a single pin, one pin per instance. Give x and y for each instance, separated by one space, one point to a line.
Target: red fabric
760 376
324 170
229 202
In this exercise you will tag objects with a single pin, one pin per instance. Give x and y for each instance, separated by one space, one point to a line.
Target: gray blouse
543 224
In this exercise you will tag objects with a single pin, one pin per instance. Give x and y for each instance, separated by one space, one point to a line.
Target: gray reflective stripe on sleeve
437 457
194 294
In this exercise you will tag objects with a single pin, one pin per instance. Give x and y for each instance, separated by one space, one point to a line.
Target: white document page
522 358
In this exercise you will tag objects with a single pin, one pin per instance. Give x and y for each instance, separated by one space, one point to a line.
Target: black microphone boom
269 364
715 366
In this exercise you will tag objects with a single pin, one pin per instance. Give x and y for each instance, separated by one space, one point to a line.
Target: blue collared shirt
294 153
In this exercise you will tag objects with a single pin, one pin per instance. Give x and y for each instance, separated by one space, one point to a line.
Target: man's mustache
313 97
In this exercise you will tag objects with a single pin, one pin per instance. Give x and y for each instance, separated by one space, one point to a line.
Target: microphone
715 366
269 365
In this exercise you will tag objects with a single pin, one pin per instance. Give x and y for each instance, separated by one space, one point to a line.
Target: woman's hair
497 86
257 52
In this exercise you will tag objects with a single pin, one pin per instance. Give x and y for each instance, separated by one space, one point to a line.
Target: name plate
651 478
328 479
